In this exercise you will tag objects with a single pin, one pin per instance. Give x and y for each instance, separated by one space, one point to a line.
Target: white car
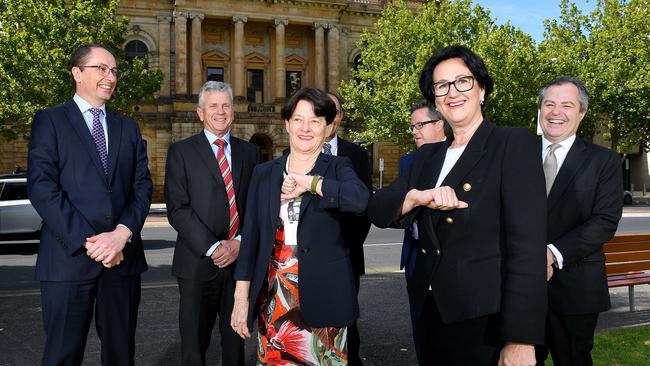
18 218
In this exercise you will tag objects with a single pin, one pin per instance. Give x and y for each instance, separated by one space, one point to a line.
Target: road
384 324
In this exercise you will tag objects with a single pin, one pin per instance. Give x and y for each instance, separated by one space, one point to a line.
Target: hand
107 247
116 261
294 185
517 354
226 253
550 259
439 198
239 317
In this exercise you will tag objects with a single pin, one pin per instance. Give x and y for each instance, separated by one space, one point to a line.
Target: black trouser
68 308
569 338
200 303
470 342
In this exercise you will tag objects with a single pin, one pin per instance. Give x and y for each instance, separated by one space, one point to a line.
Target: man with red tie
206 184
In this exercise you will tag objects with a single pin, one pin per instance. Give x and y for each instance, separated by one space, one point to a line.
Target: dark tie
100 139
550 167
327 148
230 189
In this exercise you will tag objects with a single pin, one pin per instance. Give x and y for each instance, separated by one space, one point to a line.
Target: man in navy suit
89 181
584 184
427 126
355 227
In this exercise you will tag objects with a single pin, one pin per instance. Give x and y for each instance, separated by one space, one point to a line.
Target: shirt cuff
126 227
212 248
559 260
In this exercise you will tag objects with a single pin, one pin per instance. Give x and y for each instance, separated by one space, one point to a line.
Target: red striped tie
230 189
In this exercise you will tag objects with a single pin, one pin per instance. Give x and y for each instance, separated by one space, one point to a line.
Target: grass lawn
621 347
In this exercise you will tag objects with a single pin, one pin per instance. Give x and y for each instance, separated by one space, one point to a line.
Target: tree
36 40
386 82
609 50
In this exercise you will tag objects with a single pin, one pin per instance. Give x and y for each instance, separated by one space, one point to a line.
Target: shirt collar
84 106
566 144
334 142
212 137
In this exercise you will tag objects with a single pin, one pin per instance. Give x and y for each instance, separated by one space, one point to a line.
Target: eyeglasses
418 125
103 69
462 84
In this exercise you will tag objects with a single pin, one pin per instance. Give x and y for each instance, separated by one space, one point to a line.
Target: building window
135 49
294 82
215 73
255 86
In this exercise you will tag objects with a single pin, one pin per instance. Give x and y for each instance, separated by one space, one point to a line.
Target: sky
529 15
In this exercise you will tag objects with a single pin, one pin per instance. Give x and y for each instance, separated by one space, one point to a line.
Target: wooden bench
628 262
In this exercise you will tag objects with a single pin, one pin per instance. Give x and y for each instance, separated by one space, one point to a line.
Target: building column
319 29
164 54
333 58
197 47
180 33
280 67
239 83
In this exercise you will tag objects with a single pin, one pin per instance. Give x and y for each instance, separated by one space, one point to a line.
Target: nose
453 91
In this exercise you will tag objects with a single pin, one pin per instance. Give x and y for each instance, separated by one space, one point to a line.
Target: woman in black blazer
295 204
479 282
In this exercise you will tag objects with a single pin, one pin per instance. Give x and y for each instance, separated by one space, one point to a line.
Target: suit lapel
426 179
207 156
237 161
114 125
274 189
81 128
570 167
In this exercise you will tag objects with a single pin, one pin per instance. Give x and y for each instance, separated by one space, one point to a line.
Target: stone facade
265 49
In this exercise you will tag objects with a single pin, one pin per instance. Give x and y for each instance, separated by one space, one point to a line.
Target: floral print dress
284 338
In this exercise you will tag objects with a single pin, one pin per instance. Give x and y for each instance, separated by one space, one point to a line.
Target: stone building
266 49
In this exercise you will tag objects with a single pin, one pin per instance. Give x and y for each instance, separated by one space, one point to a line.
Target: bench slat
626 238
619 268
626 247
627 256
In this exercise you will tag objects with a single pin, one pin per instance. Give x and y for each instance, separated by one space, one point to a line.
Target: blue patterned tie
327 148
100 139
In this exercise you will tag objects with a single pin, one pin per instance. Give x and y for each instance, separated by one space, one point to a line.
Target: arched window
135 49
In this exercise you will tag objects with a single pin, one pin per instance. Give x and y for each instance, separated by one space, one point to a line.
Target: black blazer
67 186
356 227
584 207
197 203
326 285
488 258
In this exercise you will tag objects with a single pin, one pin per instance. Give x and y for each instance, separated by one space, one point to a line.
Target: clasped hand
439 198
107 247
294 185
226 253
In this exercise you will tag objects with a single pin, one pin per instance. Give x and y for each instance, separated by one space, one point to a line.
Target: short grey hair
215 86
583 95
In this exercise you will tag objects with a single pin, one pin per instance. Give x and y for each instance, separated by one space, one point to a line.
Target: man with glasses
427 126
89 181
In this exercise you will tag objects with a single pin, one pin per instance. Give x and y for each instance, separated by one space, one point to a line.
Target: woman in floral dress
293 270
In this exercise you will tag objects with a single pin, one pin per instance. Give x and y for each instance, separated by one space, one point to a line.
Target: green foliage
36 40
386 84
609 50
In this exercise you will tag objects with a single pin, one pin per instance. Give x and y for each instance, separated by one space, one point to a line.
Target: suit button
467 187
438 252
449 220
424 251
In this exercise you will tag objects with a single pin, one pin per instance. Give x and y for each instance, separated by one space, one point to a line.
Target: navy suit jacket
68 188
490 257
408 256
584 208
326 285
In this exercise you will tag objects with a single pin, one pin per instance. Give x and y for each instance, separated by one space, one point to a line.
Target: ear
286 125
199 111
76 74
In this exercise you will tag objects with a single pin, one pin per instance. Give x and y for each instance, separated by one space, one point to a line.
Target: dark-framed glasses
462 84
418 125
103 69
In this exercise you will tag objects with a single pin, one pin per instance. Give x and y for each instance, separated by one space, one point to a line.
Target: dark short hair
323 104
81 53
473 62
583 94
431 109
